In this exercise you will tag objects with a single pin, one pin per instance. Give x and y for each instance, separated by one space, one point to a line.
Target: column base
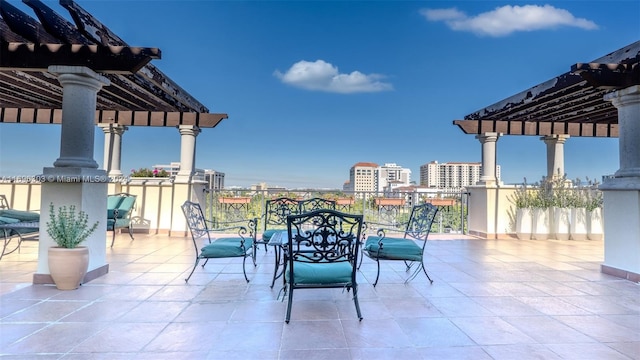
624 274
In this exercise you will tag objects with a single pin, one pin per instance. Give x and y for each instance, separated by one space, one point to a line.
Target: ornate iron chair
275 217
316 204
406 248
240 245
333 238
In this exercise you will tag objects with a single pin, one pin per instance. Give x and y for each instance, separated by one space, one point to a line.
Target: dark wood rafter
572 103
139 93
126 117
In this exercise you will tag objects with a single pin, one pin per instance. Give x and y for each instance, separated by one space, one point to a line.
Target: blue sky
311 88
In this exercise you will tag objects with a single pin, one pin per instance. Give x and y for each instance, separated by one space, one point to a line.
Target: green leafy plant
523 197
67 228
593 198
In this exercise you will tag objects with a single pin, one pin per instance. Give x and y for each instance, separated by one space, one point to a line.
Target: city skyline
309 94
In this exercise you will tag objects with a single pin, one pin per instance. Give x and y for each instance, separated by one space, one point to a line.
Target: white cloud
323 76
508 19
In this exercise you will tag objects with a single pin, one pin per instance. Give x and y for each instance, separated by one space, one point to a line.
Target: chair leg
244 261
378 273
417 271
355 301
289 303
425 272
192 270
131 233
113 237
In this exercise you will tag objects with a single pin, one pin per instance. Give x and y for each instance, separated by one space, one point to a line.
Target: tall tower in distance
370 177
451 176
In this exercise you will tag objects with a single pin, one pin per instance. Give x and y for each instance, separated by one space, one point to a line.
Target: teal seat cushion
112 203
110 224
125 206
21 215
226 247
393 249
321 273
269 233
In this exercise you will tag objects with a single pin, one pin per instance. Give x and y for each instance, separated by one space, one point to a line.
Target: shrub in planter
68 262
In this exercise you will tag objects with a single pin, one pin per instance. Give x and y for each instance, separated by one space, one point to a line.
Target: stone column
488 141
188 135
75 178
555 155
112 148
622 192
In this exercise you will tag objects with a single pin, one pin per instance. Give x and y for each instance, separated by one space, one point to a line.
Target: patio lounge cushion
20 215
321 273
393 248
17 216
8 220
226 247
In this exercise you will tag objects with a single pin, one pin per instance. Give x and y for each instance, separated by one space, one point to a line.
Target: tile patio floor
491 299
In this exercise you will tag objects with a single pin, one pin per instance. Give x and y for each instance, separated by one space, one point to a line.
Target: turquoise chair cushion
125 206
268 234
112 203
321 273
393 249
110 223
21 215
226 247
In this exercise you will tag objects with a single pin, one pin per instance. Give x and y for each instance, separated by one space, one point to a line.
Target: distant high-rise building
391 175
363 177
451 175
370 177
214 179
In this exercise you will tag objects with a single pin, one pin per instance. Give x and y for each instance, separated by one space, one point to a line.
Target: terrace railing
376 207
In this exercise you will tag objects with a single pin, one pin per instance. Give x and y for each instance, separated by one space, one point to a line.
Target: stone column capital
189 130
555 138
113 128
488 137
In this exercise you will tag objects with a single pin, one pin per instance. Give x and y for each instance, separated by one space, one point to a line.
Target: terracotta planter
68 266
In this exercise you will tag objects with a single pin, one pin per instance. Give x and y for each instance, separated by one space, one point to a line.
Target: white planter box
578 224
595 224
524 224
561 223
541 224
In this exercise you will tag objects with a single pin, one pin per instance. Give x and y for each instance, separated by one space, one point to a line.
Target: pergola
600 98
572 103
80 75
139 94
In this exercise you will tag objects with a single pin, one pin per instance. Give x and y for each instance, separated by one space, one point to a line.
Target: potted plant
68 262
